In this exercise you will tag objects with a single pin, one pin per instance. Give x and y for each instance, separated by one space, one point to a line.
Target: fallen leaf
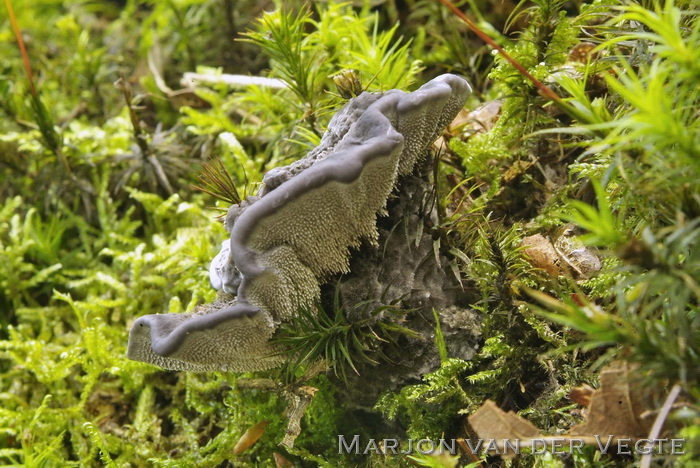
615 411
582 260
492 423
541 254
480 120
616 406
583 53
581 395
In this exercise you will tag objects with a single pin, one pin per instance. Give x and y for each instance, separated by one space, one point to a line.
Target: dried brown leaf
480 120
492 423
541 254
581 395
615 411
616 406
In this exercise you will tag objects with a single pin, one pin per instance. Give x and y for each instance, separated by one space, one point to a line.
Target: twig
659 422
43 120
23 50
545 90
190 78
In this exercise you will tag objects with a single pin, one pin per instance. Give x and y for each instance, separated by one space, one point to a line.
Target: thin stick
659 422
22 49
484 37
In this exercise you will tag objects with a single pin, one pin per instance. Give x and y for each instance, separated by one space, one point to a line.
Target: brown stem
23 50
546 91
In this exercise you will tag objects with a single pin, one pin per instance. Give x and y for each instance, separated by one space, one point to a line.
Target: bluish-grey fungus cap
300 230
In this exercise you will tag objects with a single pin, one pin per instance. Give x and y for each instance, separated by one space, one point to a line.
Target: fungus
300 229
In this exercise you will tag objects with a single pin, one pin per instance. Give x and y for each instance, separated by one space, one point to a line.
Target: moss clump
99 222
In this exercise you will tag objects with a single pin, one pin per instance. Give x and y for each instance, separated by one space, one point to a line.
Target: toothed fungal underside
300 230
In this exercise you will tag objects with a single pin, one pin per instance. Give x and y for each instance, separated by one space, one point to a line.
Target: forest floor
568 211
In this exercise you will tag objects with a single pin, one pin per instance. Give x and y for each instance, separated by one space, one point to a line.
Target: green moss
99 223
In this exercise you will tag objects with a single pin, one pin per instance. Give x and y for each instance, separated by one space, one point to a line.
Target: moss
99 223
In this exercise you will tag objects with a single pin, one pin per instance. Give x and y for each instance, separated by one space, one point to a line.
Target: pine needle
217 182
